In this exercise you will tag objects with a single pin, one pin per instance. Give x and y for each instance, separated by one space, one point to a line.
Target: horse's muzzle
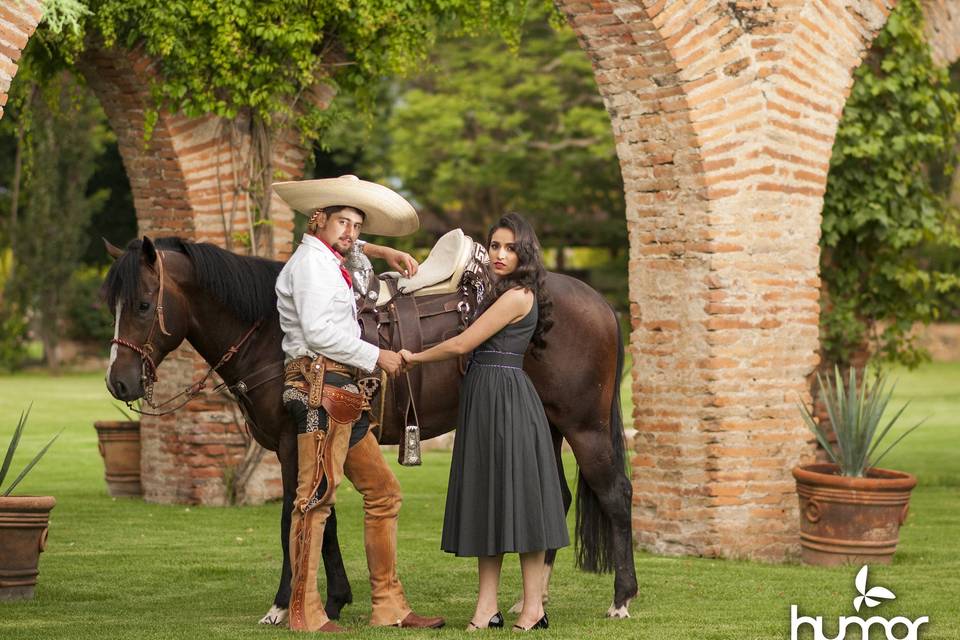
125 388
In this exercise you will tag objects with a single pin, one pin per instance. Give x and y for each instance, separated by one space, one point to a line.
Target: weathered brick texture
724 115
18 21
943 29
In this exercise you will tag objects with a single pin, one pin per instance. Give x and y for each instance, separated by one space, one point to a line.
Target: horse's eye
144 306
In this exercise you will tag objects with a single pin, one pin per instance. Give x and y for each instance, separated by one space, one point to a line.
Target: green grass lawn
126 569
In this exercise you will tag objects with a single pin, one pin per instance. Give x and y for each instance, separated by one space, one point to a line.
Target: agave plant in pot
851 510
23 525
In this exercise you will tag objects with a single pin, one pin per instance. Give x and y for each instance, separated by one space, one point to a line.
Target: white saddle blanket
440 272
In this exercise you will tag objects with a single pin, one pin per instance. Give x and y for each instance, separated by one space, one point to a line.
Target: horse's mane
243 284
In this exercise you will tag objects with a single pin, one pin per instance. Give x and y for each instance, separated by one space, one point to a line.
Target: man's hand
402 262
398 260
390 361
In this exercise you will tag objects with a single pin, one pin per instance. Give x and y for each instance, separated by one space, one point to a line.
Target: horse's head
150 312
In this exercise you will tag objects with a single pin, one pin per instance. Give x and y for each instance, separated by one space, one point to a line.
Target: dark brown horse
172 290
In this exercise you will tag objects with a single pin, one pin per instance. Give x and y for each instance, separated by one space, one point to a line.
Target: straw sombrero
388 213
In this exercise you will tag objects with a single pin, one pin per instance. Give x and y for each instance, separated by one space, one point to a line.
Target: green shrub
881 212
88 317
13 337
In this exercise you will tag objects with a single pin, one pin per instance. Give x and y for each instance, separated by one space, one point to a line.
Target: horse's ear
148 251
114 251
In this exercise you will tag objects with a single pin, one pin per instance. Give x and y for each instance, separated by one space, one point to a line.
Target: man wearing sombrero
325 356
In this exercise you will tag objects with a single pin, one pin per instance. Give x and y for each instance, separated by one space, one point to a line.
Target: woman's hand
408 359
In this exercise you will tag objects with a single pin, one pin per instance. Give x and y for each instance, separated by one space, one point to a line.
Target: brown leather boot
332 627
373 478
306 531
413 621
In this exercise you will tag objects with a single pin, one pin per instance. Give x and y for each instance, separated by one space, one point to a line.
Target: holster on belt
341 405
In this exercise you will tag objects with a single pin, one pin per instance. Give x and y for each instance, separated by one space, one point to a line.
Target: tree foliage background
884 221
246 60
485 128
49 204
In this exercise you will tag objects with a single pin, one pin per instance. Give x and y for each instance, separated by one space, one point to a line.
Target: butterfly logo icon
873 597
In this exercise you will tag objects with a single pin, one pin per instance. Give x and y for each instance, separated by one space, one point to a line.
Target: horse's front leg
277 614
551 554
287 454
339 593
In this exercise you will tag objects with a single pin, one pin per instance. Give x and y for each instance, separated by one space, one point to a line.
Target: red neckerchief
343 270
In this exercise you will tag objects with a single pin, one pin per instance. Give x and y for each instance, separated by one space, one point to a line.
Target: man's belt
341 405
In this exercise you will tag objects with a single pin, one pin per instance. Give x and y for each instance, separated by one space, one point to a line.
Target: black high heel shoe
542 623
496 622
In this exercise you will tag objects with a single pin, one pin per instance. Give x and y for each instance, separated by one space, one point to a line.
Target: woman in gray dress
504 492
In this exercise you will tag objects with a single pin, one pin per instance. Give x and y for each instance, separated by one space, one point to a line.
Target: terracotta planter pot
119 443
23 535
851 520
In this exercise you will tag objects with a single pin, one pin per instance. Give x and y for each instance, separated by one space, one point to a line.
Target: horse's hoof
276 616
334 609
619 613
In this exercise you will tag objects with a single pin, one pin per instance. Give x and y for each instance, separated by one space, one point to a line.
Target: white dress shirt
318 313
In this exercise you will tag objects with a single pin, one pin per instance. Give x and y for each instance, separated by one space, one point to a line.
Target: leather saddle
416 313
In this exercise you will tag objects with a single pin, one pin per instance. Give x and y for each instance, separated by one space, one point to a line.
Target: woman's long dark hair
530 274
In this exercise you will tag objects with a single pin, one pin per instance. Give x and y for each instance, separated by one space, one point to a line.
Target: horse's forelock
122 283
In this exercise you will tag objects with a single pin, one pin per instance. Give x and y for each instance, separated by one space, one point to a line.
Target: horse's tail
594 529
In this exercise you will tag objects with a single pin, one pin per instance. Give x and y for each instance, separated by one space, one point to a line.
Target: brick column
18 21
187 181
724 116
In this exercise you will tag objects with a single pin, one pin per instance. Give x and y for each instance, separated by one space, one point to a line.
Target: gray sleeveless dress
504 492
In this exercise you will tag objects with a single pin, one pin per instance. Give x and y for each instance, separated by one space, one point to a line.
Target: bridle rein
149 375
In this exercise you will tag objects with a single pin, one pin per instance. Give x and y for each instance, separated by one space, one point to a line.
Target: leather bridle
149 375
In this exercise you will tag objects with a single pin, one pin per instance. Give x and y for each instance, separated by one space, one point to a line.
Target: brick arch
724 116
